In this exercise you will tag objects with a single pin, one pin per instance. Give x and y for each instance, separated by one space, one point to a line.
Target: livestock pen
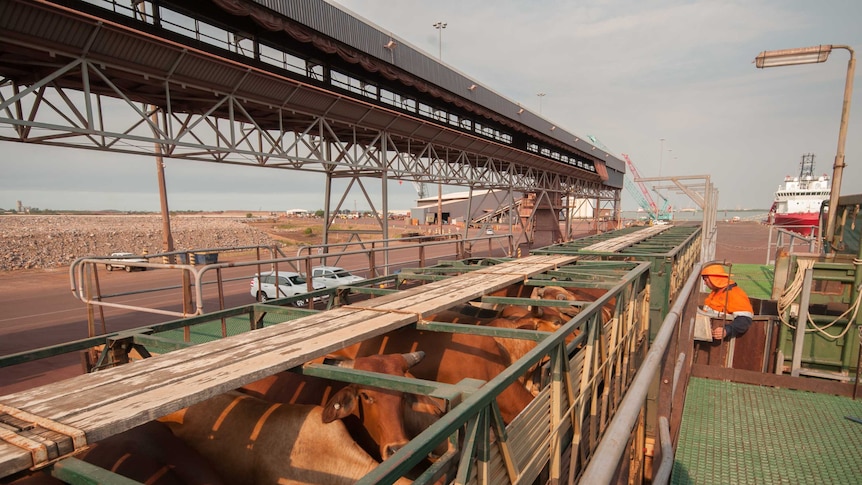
589 363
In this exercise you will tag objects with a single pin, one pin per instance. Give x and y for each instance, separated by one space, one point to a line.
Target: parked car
332 276
130 257
264 287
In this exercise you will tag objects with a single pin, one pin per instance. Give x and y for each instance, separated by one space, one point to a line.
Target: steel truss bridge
307 87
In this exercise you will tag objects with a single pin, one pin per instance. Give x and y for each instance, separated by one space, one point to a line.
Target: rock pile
30 242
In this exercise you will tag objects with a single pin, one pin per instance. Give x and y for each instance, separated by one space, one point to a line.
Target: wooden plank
90 381
615 244
13 459
98 388
107 410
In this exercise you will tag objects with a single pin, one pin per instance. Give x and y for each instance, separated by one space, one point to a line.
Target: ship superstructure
797 201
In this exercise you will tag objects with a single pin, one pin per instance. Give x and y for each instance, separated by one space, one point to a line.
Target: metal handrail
604 463
481 400
197 272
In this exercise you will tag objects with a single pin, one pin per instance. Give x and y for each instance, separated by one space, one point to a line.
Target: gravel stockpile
29 242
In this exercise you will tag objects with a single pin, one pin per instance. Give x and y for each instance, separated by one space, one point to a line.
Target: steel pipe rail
197 273
480 405
602 467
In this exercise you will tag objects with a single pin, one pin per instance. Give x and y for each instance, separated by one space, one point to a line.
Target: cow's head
380 411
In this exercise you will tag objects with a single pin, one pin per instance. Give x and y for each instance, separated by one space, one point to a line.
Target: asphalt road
39 308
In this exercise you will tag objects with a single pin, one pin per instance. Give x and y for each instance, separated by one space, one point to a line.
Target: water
756 215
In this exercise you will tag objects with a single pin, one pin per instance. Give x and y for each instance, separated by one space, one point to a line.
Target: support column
385 223
327 206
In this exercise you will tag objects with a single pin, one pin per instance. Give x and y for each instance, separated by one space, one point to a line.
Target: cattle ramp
588 365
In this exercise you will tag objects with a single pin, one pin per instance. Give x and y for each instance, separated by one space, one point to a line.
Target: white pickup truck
332 276
130 257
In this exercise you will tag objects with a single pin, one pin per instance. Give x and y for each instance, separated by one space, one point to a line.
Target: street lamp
813 55
440 26
660 155
540 95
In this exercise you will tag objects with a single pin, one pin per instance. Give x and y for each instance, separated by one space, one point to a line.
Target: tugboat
797 202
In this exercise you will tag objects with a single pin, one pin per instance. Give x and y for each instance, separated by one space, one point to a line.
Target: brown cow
252 441
380 420
465 313
149 453
450 358
517 347
578 294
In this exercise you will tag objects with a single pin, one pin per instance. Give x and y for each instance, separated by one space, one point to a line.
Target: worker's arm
739 325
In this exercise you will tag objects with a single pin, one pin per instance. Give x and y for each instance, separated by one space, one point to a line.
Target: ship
797 202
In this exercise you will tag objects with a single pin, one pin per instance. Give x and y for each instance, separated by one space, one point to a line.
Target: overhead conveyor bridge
282 85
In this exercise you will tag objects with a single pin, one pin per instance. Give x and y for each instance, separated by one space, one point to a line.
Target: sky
671 83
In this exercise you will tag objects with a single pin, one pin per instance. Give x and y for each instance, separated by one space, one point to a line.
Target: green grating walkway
742 434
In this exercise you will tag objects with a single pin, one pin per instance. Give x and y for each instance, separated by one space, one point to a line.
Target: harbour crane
421 191
637 189
642 195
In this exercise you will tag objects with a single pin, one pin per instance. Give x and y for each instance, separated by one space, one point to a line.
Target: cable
792 291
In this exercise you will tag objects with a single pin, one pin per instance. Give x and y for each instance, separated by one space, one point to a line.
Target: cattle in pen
535 317
381 421
450 358
148 453
252 441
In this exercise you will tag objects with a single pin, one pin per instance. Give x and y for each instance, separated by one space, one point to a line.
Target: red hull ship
797 202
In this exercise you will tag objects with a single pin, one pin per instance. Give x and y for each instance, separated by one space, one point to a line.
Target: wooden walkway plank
110 384
108 410
88 382
616 244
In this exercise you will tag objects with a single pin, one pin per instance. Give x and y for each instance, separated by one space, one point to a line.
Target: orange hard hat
714 270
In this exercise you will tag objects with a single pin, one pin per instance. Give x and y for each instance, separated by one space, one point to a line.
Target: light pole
812 55
669 158
440 26
660 155
540 95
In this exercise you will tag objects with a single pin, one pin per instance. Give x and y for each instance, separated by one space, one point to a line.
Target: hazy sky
630 73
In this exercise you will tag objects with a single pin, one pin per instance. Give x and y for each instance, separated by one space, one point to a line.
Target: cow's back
148 453
249 440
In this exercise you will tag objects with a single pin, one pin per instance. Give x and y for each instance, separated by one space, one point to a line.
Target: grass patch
755 279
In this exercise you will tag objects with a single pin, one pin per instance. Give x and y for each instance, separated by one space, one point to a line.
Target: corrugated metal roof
347 27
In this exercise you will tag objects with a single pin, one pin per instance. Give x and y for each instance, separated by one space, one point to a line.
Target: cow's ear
342 404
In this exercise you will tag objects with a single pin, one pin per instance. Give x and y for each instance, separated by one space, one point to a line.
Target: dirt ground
742 242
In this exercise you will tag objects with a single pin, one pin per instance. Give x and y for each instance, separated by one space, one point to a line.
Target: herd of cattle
290 428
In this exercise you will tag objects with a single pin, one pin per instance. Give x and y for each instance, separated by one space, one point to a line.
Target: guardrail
86 287
789 239
669 357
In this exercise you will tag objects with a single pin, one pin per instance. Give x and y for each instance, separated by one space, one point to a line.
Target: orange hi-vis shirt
730 300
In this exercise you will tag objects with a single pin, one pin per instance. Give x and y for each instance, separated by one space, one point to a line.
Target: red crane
653 208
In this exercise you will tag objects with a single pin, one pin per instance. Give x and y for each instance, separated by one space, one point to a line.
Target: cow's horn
413 358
